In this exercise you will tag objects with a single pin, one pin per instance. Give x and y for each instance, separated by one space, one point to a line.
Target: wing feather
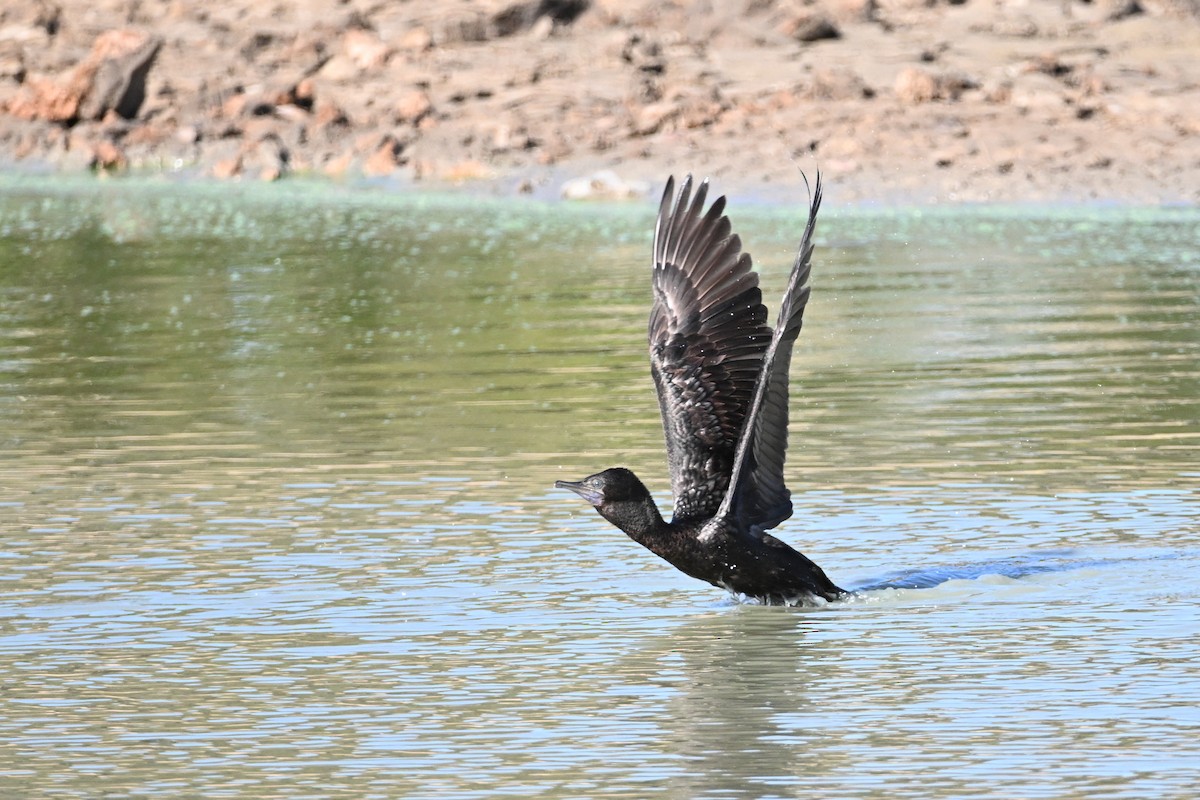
757 496
707 336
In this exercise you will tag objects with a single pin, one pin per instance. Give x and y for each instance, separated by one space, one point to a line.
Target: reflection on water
277 517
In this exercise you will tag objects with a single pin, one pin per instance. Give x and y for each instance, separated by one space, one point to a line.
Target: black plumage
722 380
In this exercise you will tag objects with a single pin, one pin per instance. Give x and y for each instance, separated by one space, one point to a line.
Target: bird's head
619 496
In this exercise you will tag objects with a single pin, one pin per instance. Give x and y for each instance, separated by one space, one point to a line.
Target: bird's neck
638 518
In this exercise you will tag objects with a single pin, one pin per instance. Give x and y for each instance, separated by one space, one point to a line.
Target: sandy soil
893 100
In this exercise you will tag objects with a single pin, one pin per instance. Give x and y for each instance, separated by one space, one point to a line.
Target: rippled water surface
277 517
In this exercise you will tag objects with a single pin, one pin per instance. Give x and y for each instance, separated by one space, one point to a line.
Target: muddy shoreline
895 101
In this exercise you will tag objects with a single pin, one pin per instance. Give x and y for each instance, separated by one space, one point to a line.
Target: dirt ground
895 101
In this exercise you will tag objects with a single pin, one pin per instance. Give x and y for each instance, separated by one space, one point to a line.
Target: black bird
722 380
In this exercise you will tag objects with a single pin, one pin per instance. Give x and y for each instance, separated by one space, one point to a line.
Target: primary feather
707 337
720 371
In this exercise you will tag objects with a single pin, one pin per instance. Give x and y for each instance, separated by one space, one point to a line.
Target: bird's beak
586 492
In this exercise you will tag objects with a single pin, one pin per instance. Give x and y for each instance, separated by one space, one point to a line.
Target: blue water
278 517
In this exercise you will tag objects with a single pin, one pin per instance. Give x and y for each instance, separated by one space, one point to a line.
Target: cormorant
722 380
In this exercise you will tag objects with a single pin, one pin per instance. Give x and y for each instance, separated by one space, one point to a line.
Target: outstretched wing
708 335
757 496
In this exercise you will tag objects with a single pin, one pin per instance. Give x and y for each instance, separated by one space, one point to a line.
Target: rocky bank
893 100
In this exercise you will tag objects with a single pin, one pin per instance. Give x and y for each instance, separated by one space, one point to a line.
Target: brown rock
271 173
33 23
1020 26
339 69
552 152
413 107
645 55
106 156
701 112
502 138
385 159
121 59
111 78
951 85
852 10
338 166
415 39
651 118
1180 9
39 13
542 29
495 19
834 83
364 49
810 25
257 128
328 114
522 16
305 93
915 85
12 65
147 135
234 105
271 156
1113 10
291 113
227 168
287 91
1037 90
43 99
